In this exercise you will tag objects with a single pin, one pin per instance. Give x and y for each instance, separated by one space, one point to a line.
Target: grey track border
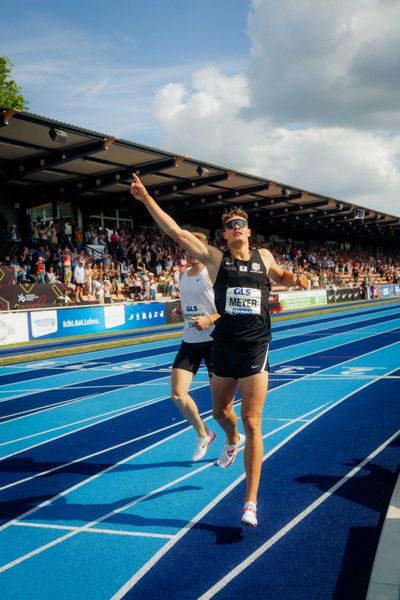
384 583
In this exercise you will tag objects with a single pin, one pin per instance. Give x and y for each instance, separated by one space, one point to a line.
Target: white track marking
298 519
110 373
89 456
116 412
129 458
137 407
156 557
96 530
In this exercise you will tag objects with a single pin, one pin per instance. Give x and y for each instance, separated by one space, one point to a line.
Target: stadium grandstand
65 202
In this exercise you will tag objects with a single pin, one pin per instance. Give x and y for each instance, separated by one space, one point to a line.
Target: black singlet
242 290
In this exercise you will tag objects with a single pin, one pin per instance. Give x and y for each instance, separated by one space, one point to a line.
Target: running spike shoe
249 516
229 452
202 445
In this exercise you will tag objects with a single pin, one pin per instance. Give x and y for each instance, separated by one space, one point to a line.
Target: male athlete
241 278
199 314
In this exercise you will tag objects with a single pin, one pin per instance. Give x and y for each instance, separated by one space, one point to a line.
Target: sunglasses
239 222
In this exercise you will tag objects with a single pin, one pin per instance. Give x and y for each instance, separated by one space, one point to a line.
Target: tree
10 93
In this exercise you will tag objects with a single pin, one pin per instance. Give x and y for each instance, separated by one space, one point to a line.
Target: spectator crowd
99 265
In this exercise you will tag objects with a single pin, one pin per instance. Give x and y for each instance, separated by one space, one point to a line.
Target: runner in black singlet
241 278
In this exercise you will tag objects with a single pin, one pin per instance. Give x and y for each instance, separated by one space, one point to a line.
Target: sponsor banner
331 296
70 322
80 321
30 295
114 316
145 315
396 290
7 275
385 291
43 323
13 328
347 294
296 300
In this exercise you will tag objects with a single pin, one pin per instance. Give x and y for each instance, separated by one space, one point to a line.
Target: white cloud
329 63
305 113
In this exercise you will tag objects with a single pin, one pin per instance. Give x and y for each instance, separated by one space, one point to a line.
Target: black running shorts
239 359
190 356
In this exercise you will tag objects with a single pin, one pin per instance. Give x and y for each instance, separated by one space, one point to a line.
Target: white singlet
197 299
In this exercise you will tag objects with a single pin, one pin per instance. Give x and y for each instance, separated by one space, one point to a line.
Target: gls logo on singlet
191 308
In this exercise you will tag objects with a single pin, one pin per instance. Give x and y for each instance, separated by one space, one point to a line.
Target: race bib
190 312
243 301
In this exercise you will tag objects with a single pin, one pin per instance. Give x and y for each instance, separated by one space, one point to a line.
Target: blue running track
99 498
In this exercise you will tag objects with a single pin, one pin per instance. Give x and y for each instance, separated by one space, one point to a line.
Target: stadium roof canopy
43 160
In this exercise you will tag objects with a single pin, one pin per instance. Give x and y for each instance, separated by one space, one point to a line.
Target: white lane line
123 410
308 346
96 530
137 407
43 409
158 555
298 519
129 458
163 347
308 376
331 333
282 420
93 455
112 372
331 377
362 332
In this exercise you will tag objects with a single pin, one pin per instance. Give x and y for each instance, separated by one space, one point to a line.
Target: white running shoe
249 516
228 454
202 445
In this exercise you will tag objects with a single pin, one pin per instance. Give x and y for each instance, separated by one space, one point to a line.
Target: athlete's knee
179 398
176 397
220 413
251 424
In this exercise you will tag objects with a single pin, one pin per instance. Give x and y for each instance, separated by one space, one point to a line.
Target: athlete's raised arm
206 254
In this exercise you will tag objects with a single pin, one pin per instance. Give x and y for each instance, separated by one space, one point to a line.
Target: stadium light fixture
58 135
202 171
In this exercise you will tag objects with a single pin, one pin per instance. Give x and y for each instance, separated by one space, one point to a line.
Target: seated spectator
51 276
20 276
65 299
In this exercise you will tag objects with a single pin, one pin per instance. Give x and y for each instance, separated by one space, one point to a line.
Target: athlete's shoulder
267 257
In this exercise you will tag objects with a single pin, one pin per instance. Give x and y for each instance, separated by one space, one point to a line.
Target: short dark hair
234 211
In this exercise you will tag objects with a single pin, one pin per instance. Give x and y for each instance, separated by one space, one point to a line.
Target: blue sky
292 90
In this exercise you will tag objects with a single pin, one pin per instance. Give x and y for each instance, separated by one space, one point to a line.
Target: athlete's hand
138 190
303 281
176 314
203 322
